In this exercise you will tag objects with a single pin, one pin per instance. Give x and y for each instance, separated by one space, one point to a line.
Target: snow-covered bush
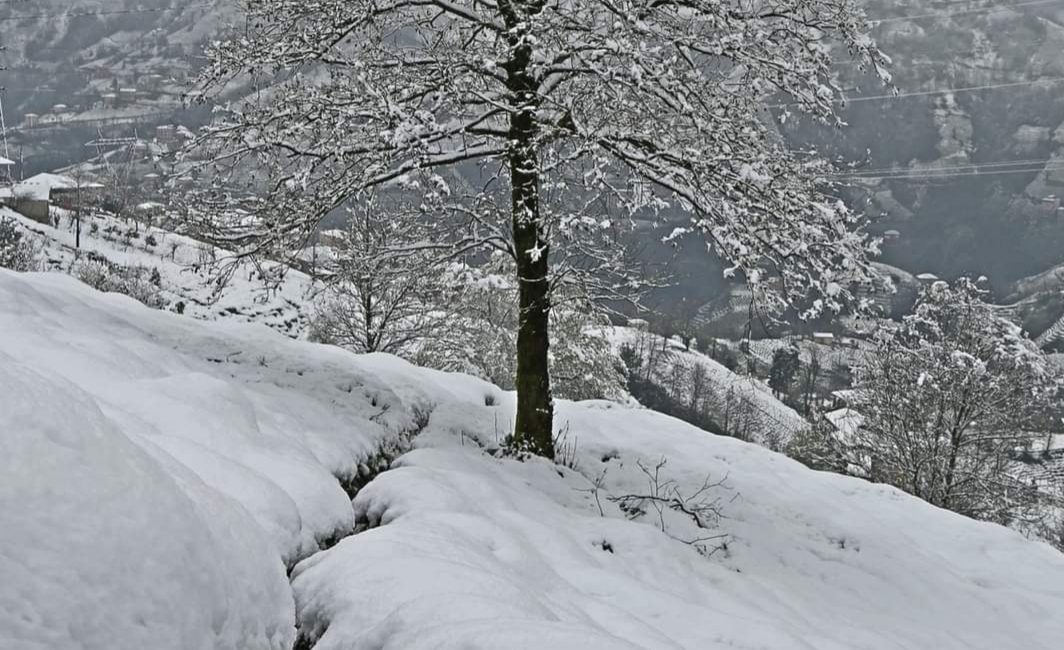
133 281
948 399
17 252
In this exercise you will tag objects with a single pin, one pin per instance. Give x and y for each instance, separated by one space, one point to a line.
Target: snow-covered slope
774 423
157 472
177 258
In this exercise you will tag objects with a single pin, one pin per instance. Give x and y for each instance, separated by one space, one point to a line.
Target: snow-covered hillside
183 284
771 423
157 473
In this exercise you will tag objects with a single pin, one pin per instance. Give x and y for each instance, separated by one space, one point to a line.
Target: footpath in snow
171 484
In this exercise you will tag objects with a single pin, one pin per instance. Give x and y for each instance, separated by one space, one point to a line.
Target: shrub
16 251
133 281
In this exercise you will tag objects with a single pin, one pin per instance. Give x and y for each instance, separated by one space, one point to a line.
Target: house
333 238
847 422
824 338
148 210
927 278
878 296
34 196
152 81
29 120
165 133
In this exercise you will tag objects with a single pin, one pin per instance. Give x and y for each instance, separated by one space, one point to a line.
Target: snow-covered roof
847 421
5 162
844 394
40 187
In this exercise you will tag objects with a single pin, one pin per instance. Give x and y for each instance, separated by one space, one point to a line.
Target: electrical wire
964 12
968 167
930 175
108 12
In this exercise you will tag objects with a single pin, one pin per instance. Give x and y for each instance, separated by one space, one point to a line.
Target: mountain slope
157 473
917 149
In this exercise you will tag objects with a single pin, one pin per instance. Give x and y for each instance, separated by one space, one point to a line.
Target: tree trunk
533 429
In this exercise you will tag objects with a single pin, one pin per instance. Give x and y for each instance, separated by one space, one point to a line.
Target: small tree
375 303
540 129
947 398
784 367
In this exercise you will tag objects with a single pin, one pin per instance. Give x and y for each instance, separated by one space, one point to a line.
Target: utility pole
77 216
3 123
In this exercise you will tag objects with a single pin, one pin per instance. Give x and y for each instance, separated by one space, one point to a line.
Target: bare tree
538 128
373 303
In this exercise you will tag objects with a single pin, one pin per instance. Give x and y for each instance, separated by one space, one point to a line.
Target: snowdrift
157 474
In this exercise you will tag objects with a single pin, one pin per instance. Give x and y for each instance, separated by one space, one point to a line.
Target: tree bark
533 429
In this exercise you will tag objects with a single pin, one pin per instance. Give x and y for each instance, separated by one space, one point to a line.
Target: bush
16 251
151 241
133 281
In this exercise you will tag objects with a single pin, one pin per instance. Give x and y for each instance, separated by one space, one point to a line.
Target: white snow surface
155 476
243 299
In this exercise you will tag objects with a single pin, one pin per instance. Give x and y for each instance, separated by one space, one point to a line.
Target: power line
970 166
927 176
926 93
111 12
947 91
994 9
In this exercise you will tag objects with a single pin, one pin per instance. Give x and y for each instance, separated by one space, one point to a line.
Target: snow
472 552
107 544
847 421
244 299
158 473
40 187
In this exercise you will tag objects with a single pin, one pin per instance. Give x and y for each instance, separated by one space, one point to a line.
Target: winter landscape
489 324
